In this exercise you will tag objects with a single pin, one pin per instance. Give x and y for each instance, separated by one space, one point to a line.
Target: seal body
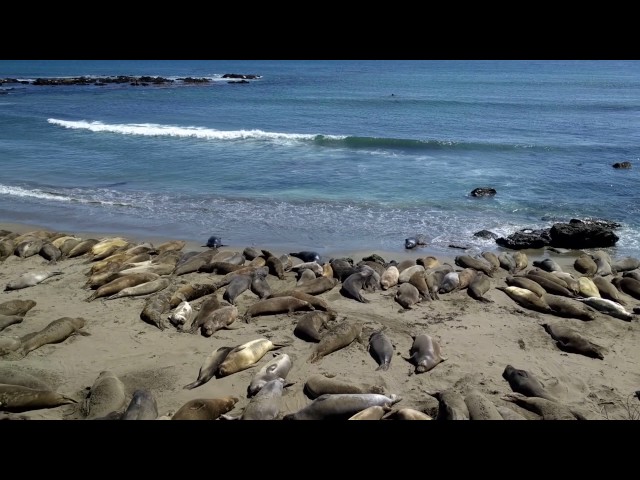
319 384
310 325
569 340
30 279
307 256
245 355
205 408
407 295
341 406
265 405
143 406
107 395
57 331
279 367
18 398
525 383
337 337
209 367
425 353
381 349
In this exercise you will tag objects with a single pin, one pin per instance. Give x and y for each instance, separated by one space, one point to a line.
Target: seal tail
193 385
384 367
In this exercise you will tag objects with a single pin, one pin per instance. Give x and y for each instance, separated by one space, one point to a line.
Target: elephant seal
18 398
375 412
547 264
307 256
405 274
82 248
16 307
389 277
219 319
569 340
170 246
8 320
274 264
428 262
209 367
143 406
587 288
336 337
207 309
205 408
276 305
106 395
11 375
214 242
551 286
318 303
568 307
279 367
238 285
525 383
354 283
480 407
55 332
153 311
465 277
604 267
30 279
311 324
319 384
467 261
304 276
625 264
28 248
144 288
585 265
182 315
547 409
121 283
419 281
521 259
381 349
449 283
191 291
250 253
259 283
245 355
492 258
407 295
478 287
451 406
403 265
509 414
608 307
569 279
265 405
627 285
341 406
526 298
424 353
406 414
507 262
194 263
50 252
607 289
318 285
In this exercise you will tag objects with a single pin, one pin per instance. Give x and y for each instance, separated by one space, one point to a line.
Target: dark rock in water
526 238
483 192
214 242
240 75
622 165
375 258
461 247
307 256
582 235
594 221
485 234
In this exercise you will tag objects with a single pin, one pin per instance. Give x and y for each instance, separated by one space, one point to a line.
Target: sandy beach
478 339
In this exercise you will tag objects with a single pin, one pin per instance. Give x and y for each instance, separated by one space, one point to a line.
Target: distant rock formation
483 192
622 165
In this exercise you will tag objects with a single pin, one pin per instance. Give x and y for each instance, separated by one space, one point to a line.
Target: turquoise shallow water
323 155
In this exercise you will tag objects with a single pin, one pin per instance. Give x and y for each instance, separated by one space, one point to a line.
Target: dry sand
478 339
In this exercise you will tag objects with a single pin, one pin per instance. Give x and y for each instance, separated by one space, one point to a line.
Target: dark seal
214 242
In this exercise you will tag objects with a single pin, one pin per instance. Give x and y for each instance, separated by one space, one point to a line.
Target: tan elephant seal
319 384
13 375
8 320
480 407
106 395
276 305
406 414
482 265
568 307
407 295
354 283
209 367
310 325
526 283
424 353
154 309
245 355
375 412
336 337
479 286
55 332
121 283
627 285
524 382
389 277
18 398
451 405
341 406
526 298
569 340
205 408
585 265
587 288
547 409
16 307
608 289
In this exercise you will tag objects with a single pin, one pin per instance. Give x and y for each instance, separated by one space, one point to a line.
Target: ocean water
323 155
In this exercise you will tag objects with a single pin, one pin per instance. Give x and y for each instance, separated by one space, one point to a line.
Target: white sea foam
58 197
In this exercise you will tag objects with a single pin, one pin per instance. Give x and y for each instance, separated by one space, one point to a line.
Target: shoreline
478 339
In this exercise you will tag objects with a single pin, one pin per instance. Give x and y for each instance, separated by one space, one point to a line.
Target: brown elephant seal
318 303
341 406
467 261
50 252
237 286
381 349
259 283
30 279
251 252
569 340
18 398
480 407
507 262
479 286
205 408
278 367
154 309
569 308
207 309
16 307
121 283
428 262
492 258
222 318
569 279
209 367
449 283
354 283
548 264
106 395
276 305
274 264
389 277
375 412
8 320
406 274
406 414
404 264
526 298
145 288
627 285
547 409
625 264
245 355
465 277
424 353
318 285
551 286
585 265
524 382
319 384
82 248
190 292
336 337
407 295
451 405
171 245
28 248
142 406
509 414
419 281
304 276
55 332
310 325
521 259
607 289
12 375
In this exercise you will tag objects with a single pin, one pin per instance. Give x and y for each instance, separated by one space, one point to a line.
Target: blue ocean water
323 155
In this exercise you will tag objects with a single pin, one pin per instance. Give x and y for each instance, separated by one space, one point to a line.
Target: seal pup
336 337
143 406
524 382
381 349
30 279
341 406
18 398
209 367
608 307
547 409
182 315
407 295
389 277
354 283
424 353
320 384
245 355
480 407
278 367
205 408
106 395
569 340
478 287
311 324
55 332
307 256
